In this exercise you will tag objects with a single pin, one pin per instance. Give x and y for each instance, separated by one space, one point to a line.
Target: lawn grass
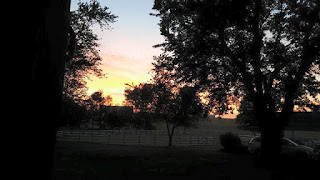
73 164
211 125
86 161
70 163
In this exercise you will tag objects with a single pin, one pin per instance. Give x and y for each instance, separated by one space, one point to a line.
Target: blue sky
134 25
126 49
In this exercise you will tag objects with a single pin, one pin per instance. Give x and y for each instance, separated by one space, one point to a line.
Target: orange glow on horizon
119 71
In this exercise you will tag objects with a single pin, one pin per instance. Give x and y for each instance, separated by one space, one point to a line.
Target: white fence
160 137
143 137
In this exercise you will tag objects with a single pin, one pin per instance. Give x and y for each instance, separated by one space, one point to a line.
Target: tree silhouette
177 104
141 97
86 59
53 40
265 50
108 100
49 48
94 104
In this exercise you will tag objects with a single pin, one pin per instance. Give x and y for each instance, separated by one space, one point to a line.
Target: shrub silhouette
231 142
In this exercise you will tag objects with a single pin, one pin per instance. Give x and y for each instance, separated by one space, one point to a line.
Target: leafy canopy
86 59
267 50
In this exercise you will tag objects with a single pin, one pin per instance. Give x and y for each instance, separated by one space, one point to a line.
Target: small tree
93 105
178 105
141 97
108 101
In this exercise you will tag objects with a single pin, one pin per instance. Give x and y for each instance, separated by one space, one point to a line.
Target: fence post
63 136
139 140
292 134
79 137
91 135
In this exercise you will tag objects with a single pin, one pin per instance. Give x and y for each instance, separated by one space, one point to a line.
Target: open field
82 161
93 161
145 155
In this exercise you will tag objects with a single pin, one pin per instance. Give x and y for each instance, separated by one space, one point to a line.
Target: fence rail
143 137
160 137
149 132
135 139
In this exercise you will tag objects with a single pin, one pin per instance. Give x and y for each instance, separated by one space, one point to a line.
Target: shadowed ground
94 161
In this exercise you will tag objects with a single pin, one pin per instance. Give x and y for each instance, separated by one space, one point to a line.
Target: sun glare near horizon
119 71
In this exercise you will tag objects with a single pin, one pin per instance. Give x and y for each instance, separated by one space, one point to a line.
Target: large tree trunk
271 131
48 61
271 134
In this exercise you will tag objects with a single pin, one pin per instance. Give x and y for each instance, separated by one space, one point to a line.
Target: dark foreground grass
74 164
85 165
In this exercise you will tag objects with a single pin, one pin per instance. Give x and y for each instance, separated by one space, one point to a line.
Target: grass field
213 125
206 132
92 161
81 161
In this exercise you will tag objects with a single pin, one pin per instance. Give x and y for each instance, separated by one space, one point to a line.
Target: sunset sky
126 49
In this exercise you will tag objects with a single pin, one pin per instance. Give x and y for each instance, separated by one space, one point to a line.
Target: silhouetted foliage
231 142
316 153
114 121
95 101
72 113
93 104
177 104
265 50
246 119
141 97
86 59
143 120
108 100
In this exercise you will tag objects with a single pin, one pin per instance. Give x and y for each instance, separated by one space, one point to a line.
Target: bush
316 153
231 142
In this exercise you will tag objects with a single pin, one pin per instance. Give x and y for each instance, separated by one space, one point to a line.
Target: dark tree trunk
271 131
170 140
48 60
271 134
170 133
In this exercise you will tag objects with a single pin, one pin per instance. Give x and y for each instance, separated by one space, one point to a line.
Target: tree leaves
86 59
262 49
